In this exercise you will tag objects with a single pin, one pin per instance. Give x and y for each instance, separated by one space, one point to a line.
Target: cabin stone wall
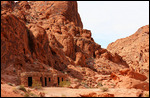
45 79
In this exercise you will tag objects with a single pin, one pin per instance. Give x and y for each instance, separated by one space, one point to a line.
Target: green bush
26 95
85 84
33 95
14 70
76 80
16 91
10 84
113 85
28 90
64 84
146 95
36 84
21 87
99 84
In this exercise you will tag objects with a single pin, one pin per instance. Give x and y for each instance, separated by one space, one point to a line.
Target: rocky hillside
134 50
46 36
42 33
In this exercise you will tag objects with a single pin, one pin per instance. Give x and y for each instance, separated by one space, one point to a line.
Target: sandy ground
7 91
65 92
68 92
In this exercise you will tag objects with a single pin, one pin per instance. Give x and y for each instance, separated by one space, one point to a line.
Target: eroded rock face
14 40
134 49
45 36
7 5
35 34
130 79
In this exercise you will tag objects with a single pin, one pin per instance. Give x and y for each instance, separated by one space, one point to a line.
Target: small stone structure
44 78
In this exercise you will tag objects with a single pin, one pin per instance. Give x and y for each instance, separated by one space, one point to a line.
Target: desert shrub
113 85
83 69
28 90
29 94
22 93
26 95
21 87
104 89
99 84
16 91
84 84
36 84
33 95
14 70
64 84
10 84
76 80
146 95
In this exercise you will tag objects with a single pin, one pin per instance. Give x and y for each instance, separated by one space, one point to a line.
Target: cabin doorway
45 81
29 81
58 80
41 80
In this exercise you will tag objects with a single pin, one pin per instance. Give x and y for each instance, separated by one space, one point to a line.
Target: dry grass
36 85
99 84
10 84
16 91
146 95
64 84
21 87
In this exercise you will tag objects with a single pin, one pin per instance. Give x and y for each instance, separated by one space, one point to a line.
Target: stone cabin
45 78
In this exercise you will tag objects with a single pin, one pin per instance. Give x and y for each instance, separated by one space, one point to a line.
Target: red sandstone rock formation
29 42
48 36
93 94
134 50
133 74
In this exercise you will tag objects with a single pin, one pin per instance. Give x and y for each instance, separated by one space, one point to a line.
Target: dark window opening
58 80
62 79
29 81
45 81
49 79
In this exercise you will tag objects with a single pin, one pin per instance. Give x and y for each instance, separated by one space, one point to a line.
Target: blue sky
112 20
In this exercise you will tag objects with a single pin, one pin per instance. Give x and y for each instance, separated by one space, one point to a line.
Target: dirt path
68 92
7 91
65 92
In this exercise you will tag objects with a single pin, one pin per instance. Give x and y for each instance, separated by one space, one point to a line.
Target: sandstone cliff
134 50
46 36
